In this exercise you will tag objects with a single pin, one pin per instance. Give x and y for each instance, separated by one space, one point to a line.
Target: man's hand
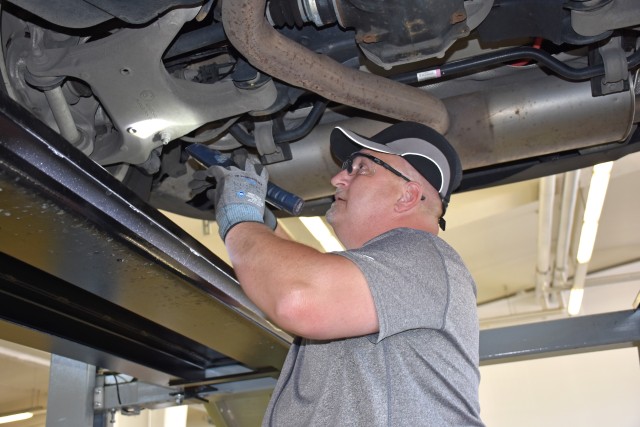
239 195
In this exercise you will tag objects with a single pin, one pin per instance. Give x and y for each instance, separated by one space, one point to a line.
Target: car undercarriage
522 88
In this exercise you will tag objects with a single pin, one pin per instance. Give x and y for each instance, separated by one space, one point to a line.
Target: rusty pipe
282 58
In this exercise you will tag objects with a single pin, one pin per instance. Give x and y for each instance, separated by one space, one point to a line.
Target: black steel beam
559 337
71 313
87 239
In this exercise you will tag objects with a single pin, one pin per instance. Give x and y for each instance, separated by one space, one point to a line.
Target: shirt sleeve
406 272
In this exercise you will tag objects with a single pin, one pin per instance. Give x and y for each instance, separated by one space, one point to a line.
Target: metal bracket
615 61
98 398
147 104
263 134
616 77
270 152
131 396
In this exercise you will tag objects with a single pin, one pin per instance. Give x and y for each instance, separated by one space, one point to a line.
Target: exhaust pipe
274 54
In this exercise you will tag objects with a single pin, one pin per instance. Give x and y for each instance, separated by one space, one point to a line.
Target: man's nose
342 178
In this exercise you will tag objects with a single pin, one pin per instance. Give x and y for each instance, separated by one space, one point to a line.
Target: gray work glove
239 195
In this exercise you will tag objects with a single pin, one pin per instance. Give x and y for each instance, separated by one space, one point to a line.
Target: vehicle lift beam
607 331
89 265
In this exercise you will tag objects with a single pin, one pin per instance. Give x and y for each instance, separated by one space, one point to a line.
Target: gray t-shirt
420 369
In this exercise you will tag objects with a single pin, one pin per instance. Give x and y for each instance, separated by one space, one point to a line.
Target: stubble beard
330 215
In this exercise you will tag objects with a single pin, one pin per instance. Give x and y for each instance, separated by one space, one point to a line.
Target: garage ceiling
496 229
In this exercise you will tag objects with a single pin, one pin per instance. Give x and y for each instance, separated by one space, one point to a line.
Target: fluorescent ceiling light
575 301
15 417
591 217
577 290
592 211
321 233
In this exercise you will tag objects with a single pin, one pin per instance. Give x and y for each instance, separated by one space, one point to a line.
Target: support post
71 393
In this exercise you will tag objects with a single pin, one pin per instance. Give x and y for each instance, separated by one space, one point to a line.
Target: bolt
179 398
458 16
165 137
97 398
368 38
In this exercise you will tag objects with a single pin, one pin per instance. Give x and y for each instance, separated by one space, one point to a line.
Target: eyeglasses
355 167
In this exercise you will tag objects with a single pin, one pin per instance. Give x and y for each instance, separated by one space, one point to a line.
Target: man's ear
410 197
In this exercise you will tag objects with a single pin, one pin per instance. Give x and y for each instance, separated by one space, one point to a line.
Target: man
388 329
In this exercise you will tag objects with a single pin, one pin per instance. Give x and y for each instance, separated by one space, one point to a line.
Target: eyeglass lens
356 165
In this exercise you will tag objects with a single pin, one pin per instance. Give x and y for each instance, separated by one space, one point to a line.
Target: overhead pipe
565 227
545 225
500 57
284 59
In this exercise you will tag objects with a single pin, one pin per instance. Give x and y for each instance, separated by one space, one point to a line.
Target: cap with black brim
424 148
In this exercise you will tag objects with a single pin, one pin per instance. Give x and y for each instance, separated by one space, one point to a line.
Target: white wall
588 390
176 416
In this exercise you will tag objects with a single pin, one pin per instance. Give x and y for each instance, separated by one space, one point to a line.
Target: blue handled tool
276 196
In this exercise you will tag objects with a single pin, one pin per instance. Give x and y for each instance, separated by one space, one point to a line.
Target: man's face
363 201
